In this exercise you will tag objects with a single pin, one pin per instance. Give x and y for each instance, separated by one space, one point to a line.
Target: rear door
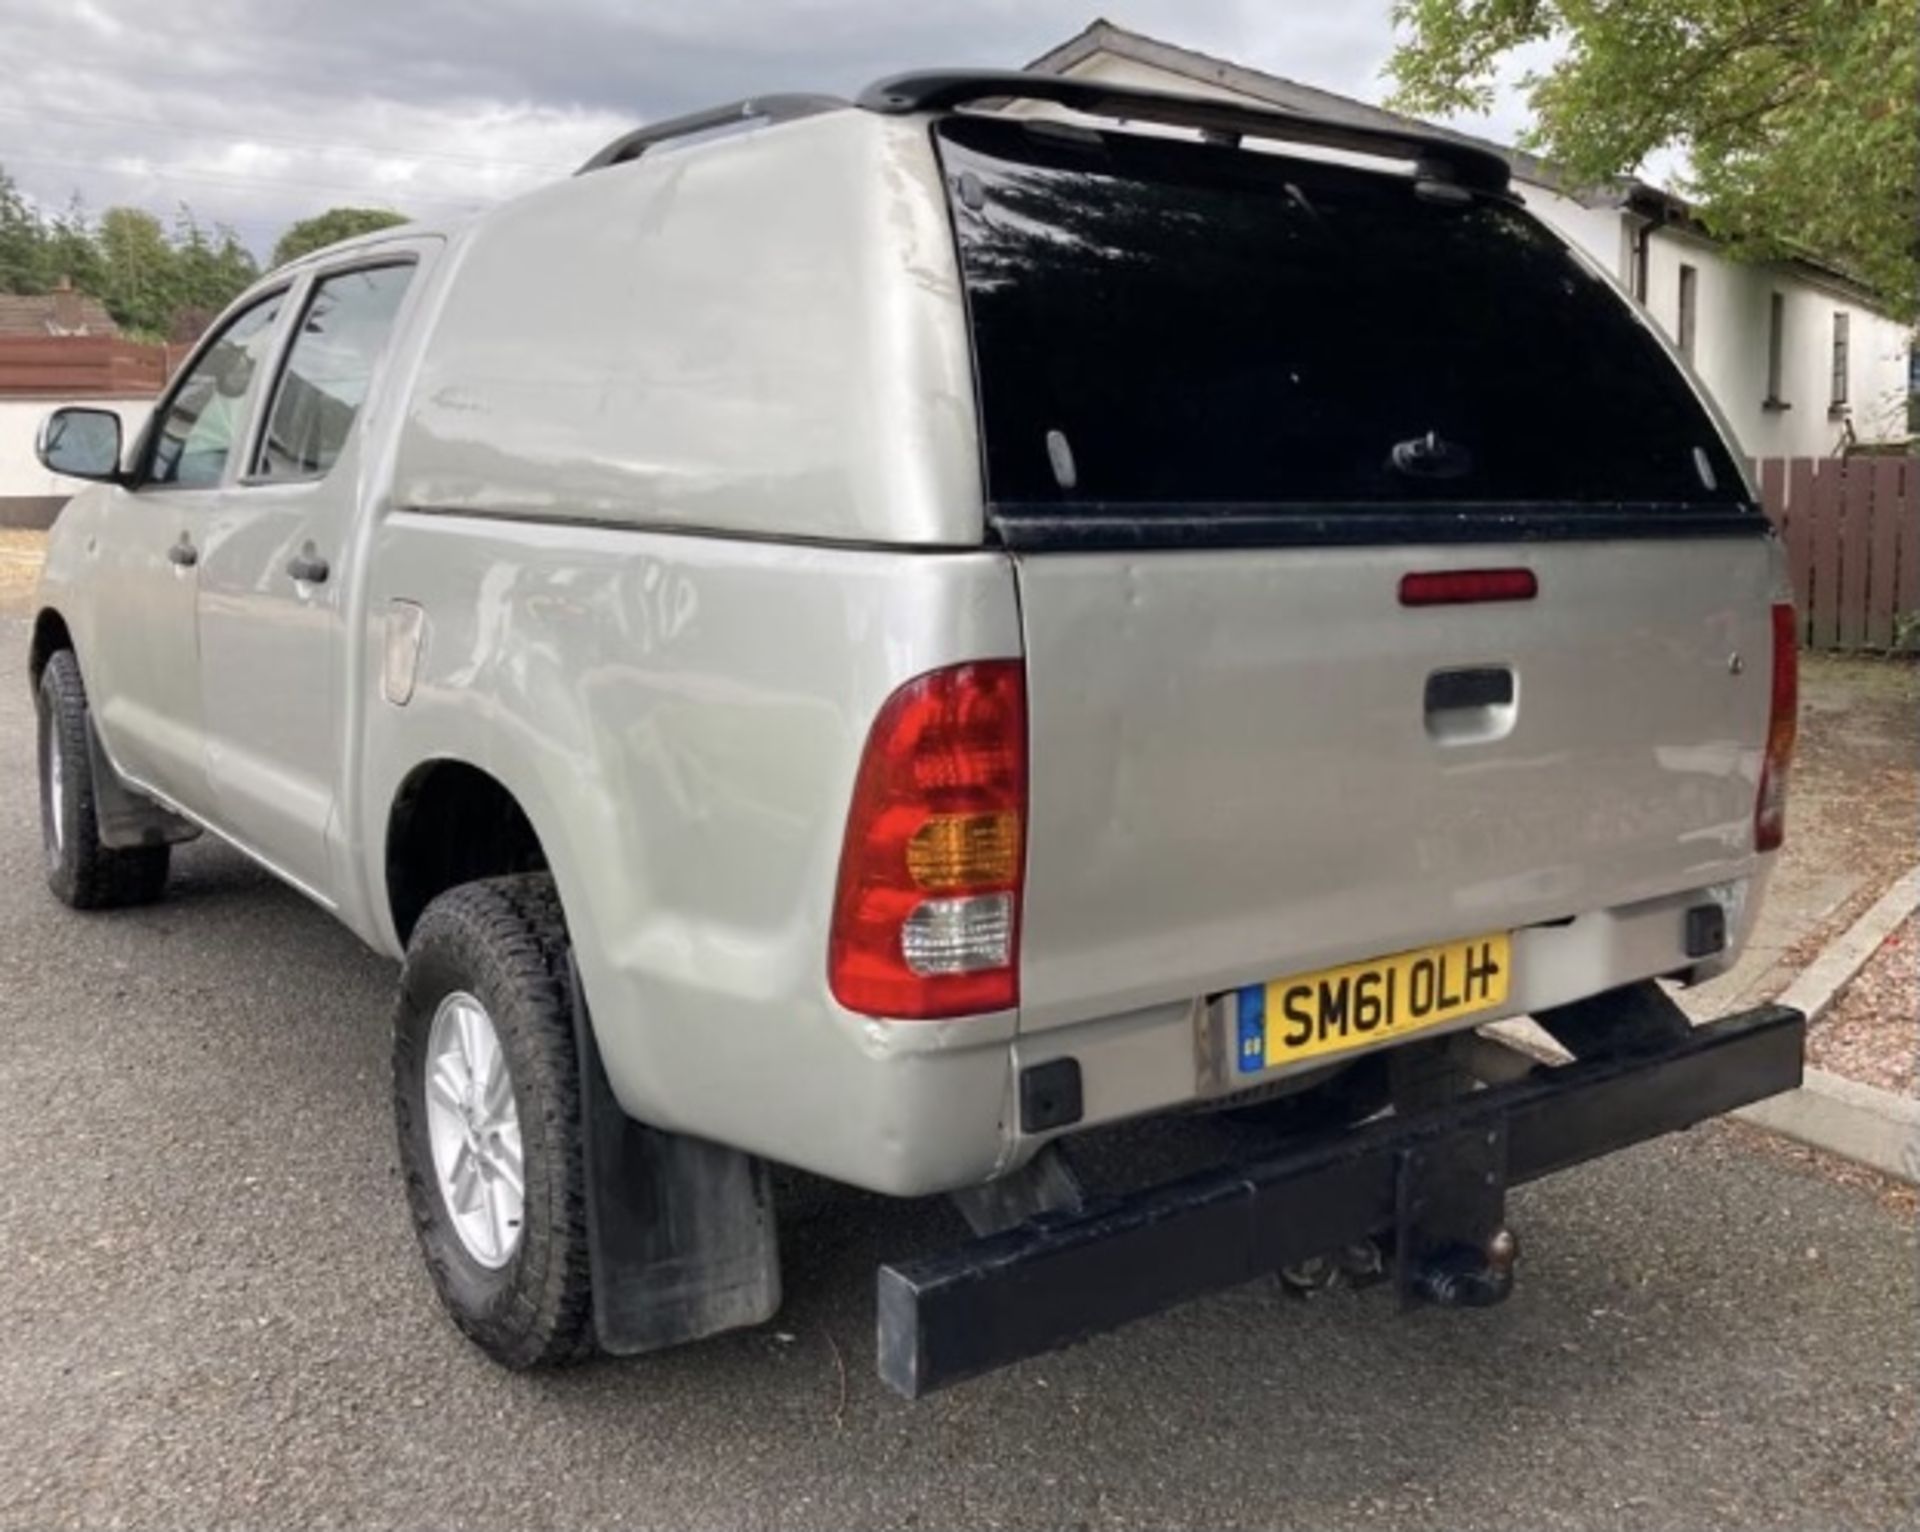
271 596
1246 419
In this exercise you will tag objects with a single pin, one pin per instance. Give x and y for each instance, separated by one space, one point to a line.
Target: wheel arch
50 635
451 822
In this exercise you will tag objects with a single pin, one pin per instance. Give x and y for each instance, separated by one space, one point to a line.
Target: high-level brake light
1460 587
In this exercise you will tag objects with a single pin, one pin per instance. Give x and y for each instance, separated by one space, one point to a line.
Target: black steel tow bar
1431 1185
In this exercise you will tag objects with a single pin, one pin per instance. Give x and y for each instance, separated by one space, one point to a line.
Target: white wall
1600 231
1730 349
20 473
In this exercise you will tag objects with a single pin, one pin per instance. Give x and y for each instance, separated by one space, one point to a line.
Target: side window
328 369
202 422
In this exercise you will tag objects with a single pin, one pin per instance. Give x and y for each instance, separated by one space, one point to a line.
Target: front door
142 663
271 614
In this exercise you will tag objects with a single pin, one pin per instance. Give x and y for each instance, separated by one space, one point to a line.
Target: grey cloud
257 113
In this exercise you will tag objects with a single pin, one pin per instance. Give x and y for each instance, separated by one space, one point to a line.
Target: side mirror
81 443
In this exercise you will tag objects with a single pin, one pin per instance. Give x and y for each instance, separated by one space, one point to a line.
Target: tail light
926 920
1770 808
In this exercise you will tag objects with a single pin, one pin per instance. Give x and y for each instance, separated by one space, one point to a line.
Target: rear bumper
1061 1277
1169 1056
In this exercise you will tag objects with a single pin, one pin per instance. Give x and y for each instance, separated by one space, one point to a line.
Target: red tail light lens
926 919
1783 722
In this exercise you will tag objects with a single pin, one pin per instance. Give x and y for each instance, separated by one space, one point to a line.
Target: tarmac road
211 1313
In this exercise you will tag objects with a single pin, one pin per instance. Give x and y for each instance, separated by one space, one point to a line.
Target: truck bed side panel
681 719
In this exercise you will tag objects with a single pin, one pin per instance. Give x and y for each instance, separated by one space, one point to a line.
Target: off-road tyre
83 873
503 941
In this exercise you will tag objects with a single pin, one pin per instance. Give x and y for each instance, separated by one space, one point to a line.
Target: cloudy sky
258 112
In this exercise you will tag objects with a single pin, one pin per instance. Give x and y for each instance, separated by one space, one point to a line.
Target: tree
1798 117
156 285
138 278
71 250
330 227
22 242
211 267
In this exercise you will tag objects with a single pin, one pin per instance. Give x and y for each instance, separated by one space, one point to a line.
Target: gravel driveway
214 1316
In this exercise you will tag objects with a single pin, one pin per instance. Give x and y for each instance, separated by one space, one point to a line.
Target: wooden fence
83 367
1852 531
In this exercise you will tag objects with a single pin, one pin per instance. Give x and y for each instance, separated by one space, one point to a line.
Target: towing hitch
1428 1187
1462 1277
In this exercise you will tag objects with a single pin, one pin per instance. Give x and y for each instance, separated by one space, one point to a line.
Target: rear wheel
486 1086
82 872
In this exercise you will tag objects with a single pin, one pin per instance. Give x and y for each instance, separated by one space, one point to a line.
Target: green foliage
139 283
68 250
209 269
152 282
1799 117
19 250
329 228
166 284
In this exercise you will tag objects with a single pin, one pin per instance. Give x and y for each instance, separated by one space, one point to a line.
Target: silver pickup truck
881 636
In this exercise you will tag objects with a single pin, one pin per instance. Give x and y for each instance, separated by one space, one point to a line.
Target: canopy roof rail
1435 157
762 109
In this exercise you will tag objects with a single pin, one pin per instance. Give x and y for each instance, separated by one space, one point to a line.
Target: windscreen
1161 325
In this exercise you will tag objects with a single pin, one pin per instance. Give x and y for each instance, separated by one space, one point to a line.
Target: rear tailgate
1235 772
1228 401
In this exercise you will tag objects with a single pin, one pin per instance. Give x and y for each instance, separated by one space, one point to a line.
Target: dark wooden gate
1852 530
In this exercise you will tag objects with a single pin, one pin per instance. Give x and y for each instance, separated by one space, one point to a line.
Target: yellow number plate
1287 1020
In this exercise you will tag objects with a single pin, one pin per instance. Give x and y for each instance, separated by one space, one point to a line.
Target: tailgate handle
1484 686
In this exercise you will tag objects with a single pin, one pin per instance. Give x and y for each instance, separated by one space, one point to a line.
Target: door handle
1481 686
183 553
1471 705
308 567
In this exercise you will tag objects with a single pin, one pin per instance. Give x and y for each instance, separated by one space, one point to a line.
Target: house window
1776 347
1689 306
1838 399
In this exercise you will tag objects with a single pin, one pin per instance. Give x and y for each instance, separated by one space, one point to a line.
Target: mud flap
123 818
681 1231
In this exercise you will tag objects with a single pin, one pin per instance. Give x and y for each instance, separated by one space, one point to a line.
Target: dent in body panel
681 719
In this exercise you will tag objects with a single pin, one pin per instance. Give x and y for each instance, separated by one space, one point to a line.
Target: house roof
58 313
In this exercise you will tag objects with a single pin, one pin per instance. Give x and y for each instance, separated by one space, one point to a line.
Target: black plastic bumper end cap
1050 1096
